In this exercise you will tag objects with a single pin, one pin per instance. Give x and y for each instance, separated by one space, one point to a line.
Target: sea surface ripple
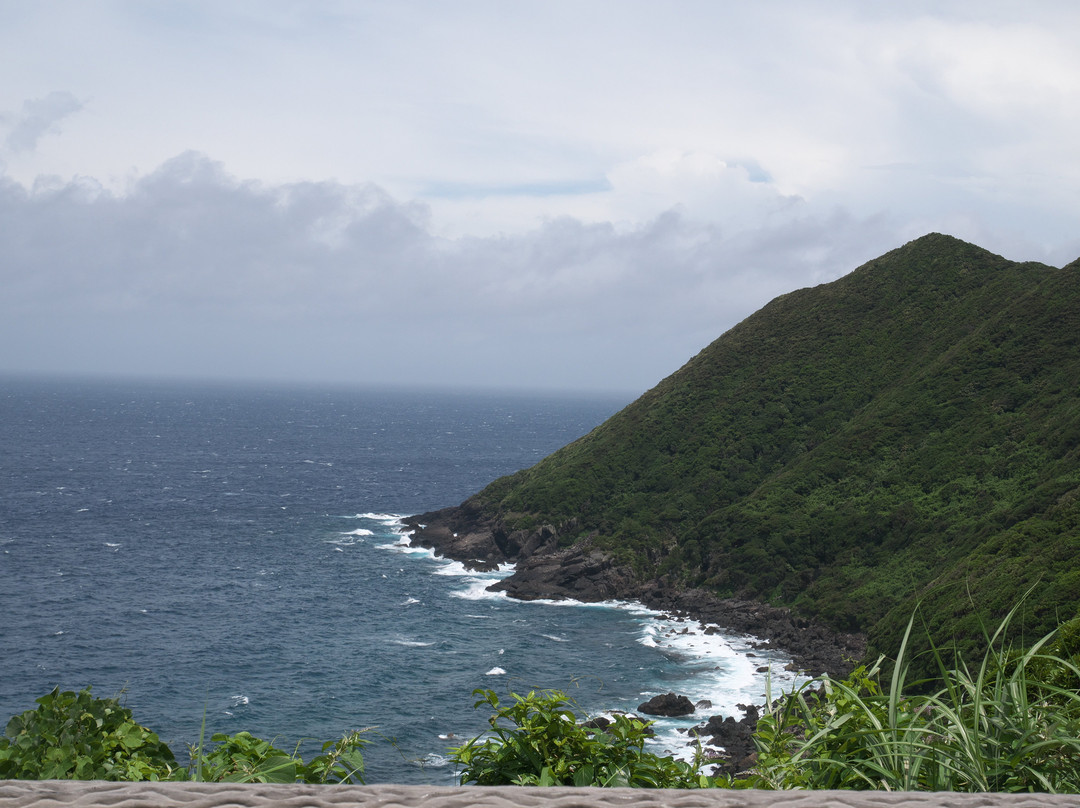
235 553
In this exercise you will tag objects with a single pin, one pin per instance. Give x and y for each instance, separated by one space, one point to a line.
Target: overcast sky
575 195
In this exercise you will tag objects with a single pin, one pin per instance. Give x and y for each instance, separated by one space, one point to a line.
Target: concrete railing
98 794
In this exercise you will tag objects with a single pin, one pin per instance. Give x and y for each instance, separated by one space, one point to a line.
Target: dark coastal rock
459 533
576 572
734 738
669 705
545 570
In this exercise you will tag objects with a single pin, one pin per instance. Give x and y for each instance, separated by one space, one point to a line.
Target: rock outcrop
733 737
669 705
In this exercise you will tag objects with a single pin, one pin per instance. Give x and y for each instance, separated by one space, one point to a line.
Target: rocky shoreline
544 570
579 572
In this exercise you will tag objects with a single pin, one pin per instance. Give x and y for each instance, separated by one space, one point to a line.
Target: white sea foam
553 638
410 601
496 672
360 531
476 582
459 570
477 589
718 669
453 568
433 761
411 643
403 546
384 518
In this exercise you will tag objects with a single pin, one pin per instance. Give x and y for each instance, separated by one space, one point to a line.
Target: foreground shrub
243 758
74 736
1008 725
538 741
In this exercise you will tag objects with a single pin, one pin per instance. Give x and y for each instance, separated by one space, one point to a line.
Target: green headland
908 434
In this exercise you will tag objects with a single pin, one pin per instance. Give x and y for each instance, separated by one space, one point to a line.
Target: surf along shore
542 570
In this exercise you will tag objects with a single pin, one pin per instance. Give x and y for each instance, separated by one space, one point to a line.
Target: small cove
238 552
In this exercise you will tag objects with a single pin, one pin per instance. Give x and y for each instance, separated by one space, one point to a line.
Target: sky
534 195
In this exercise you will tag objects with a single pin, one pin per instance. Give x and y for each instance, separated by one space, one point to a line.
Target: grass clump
1009 724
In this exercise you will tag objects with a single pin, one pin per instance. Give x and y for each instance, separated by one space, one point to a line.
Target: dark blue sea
236 553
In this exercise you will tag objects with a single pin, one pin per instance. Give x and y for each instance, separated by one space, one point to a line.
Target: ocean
234 554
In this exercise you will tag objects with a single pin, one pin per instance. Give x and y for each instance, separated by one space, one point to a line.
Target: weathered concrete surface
97 794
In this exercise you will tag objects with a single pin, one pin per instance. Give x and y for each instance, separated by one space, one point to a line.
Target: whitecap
339 550
477 589
240 701
385 518
460 570
411 643
360 531
553 638
496 671
410 601
402 546
432 761
453 568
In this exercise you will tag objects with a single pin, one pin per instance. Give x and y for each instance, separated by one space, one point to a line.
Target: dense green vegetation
539 740
908 432
77 736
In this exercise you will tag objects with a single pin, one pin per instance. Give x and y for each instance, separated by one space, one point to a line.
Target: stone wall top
98 794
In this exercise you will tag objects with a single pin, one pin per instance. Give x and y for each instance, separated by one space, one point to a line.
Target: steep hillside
908 432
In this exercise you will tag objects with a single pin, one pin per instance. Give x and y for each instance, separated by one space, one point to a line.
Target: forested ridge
909 433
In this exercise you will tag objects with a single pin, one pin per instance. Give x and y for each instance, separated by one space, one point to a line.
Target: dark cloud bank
192 272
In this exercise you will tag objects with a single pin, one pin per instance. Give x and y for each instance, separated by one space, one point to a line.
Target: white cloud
39 116
501 191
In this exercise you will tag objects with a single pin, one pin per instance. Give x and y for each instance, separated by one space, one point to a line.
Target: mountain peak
904 434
